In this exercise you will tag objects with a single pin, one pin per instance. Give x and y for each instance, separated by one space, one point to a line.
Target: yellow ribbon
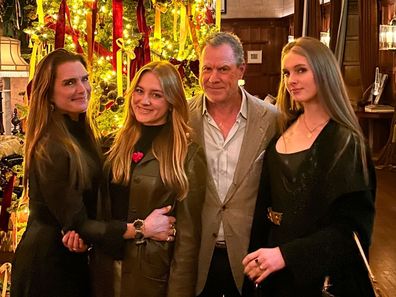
40 11
90 40
130 55
157 24
157 32
193 31
218 14
120 43
6 269
175 16
183 31
33 56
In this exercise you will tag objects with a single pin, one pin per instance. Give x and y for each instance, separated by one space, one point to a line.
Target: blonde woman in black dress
317 186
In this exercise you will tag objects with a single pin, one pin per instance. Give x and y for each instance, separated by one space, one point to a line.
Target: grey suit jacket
237 210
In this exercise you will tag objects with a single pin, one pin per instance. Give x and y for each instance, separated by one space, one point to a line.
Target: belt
221 244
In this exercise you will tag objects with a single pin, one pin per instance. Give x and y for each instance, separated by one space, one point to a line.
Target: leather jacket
157 268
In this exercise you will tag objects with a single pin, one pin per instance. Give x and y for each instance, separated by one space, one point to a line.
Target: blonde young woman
63 170
317 186
152 164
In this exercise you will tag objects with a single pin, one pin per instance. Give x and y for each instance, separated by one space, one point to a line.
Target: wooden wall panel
351 62
269 36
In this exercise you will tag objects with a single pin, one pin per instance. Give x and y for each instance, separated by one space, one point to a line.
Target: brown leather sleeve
183 274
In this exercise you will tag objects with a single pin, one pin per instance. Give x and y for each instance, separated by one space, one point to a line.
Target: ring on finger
174 231
257 262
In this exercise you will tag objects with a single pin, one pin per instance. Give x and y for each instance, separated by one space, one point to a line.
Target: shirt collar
242 111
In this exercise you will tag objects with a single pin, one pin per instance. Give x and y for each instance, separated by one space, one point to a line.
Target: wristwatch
138 224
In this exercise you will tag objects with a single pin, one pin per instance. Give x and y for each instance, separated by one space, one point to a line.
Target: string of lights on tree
118 37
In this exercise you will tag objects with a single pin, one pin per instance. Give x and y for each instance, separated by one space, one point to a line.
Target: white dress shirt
222 154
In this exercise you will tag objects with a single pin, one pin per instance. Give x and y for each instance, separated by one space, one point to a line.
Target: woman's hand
160 226
261 263
74 243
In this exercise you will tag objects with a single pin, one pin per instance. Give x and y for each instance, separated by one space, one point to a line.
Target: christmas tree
118 38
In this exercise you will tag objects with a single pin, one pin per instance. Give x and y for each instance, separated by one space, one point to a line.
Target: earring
52 106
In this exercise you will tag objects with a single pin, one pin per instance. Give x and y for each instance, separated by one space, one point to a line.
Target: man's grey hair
219 38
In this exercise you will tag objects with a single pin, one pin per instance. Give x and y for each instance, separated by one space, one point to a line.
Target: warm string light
102 69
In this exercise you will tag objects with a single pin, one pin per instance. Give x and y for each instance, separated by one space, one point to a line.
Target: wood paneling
269 36
351 62
258 9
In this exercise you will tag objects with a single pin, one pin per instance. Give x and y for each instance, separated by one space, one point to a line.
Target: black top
292 162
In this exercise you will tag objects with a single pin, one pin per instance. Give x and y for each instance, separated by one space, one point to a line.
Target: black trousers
220 281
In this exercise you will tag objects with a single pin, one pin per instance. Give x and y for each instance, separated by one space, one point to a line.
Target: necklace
311 131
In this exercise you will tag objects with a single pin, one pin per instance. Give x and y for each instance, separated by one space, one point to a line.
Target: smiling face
219 73
148 101
299 78
71 90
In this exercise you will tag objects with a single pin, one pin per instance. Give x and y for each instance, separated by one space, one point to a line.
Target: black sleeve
65 201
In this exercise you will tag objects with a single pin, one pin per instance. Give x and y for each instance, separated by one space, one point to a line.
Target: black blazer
42 266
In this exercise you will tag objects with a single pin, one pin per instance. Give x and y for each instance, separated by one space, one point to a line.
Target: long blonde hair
42 116
170 146
331 88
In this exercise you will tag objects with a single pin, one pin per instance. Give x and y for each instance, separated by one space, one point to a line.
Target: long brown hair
170 146
41 116
331 88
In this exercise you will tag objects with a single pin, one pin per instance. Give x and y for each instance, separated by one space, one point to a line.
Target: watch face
138 224
139 236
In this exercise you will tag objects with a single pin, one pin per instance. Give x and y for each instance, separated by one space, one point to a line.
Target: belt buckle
221 244
274 216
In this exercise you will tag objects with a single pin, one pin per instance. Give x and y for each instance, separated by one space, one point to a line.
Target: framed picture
254 57
223 5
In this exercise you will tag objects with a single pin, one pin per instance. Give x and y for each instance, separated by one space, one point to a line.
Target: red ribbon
209 16
60 26
79 48
98 48
6 203
91 25
142 51
193 65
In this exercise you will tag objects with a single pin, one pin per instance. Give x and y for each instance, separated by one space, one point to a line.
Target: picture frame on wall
223 6
255 57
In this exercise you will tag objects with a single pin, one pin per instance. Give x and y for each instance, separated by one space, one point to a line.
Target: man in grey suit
234 127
